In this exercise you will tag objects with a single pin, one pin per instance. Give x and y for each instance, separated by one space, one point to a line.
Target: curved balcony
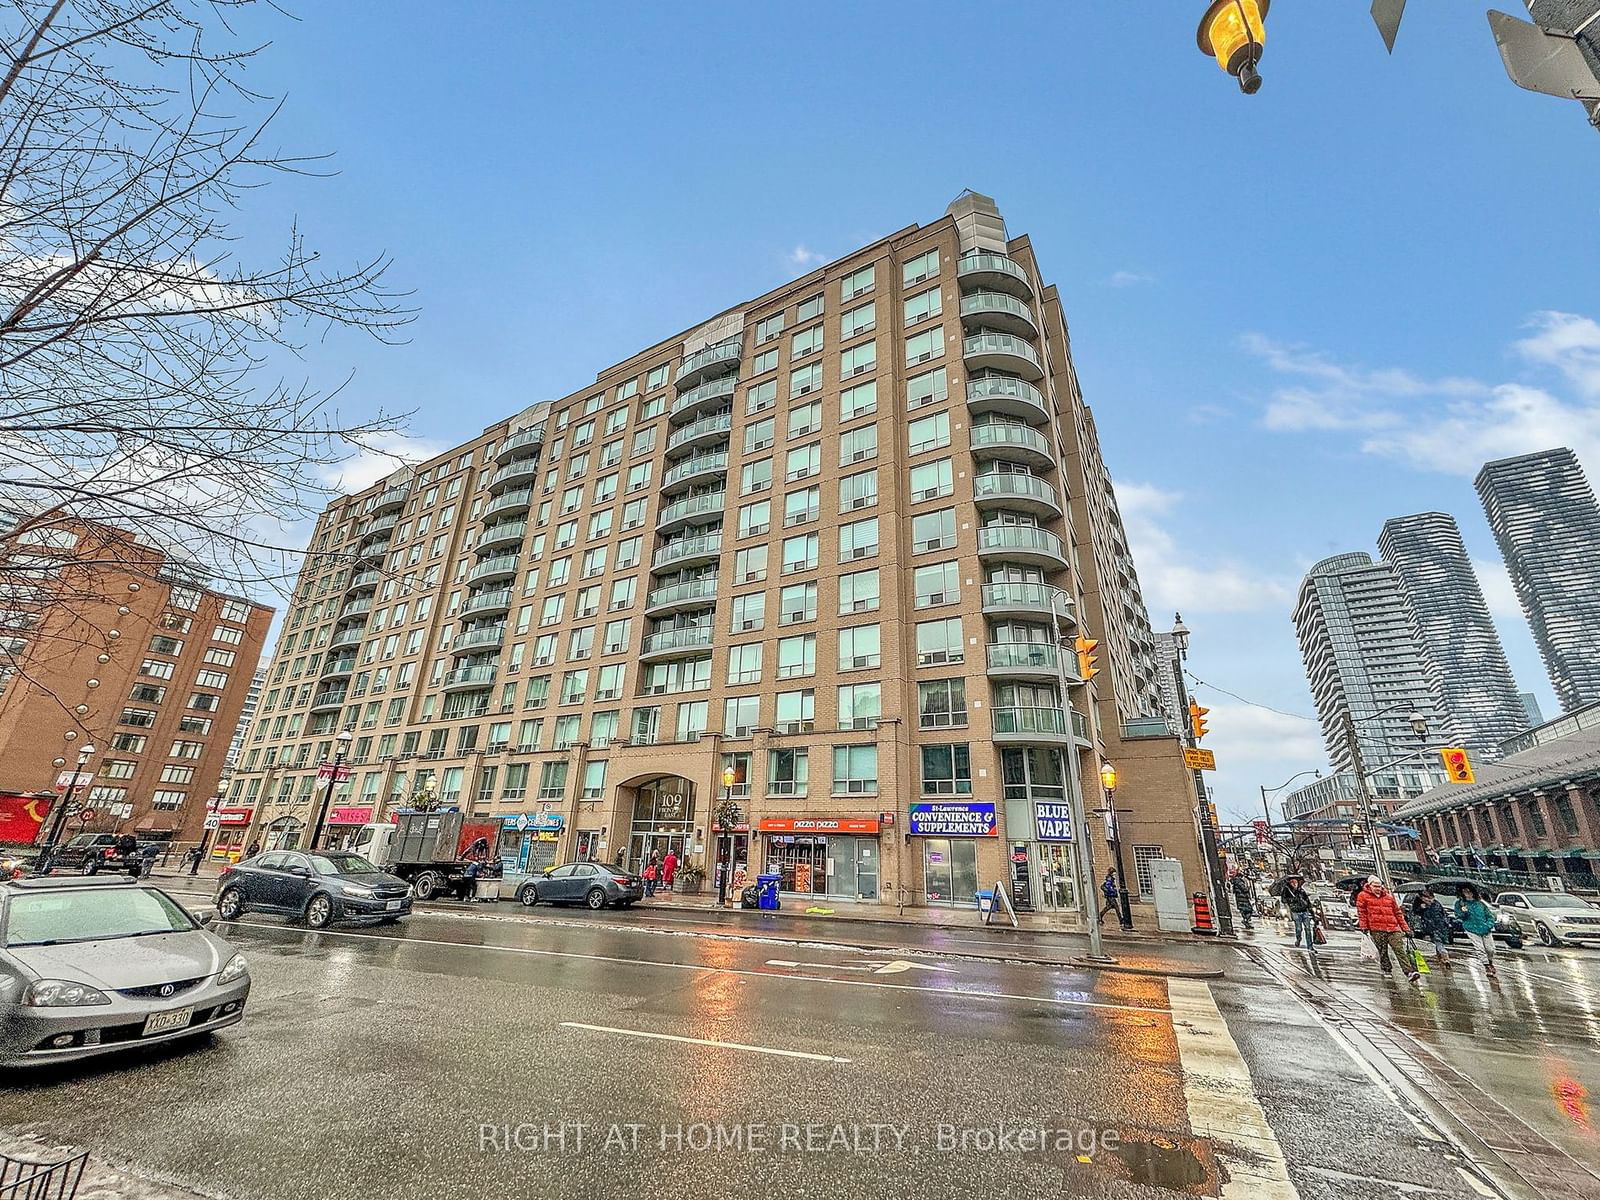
331 700
1032 601
501 566
686 511
497 537
703 432
710 394
364 581
675 597
1013 440
514 501
1022 544
490 637
463 678
996 310
673 643
994 271
391 500
487 604
1007 396
522 440
1030 723
1026 493
379 525
376 544
686 552
344 664
710 361
355 608
353 636
524 470
1001 352
697 468
1023 660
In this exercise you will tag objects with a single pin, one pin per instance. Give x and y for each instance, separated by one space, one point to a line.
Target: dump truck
430 850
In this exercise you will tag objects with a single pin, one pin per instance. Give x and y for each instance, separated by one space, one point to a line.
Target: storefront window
950 870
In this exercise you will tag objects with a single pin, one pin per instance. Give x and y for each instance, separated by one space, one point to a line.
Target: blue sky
1294 314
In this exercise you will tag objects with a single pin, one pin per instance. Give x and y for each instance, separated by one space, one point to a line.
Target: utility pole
343 741
1083 874
1369 805
1208 829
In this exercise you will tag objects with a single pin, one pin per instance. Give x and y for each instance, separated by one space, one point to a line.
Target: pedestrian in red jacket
1381 918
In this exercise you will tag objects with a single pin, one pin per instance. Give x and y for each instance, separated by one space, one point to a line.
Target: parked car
594 884
319 888
84 852
94 965
1506 927
1557 917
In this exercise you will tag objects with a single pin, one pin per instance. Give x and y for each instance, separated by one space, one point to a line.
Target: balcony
501 566
524 470
331 700
1001 352
675 643
1031 601
674 597
1026 493
697 468
344 664
1011 726
496 537
379 525
686 552
996 310
712 394
353 636
710 361
1022 544
376 544
1023 660
391 500
1013 440
487 604
522 440
684 512
491 637
463 678
994 271
1008 397
355 608
516 500
703 432
364 581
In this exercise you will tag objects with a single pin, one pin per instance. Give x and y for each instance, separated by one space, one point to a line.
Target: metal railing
26 1179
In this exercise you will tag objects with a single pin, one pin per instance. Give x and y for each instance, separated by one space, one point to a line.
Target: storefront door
1055 876
950 870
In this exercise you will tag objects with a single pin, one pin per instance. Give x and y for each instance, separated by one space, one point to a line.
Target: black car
320 887
590 883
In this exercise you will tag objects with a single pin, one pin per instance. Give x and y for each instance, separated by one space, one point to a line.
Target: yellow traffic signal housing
1087 658
1457 766
1197 720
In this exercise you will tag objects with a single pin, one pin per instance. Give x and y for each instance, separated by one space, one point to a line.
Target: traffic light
1457 766
1197 720
1087 658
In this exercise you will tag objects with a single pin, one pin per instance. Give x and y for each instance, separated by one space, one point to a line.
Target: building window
858 539
797 656
755 477
942 703
768 328
929 433
749 612
860 647
796 603
802 462
801 506
936 584
855 770
744 663
759 435
808 309
858 283
786 772
858 360
156 668
805 380
858 445
926 346
169 800
924 266
796 711
552 781
755 519
860 705
859 400
806 341
922 306
859 592
761 396
858 320
800 553
946 770
940 642
933 531
741 715
1144 859
931 481
148 692
804 419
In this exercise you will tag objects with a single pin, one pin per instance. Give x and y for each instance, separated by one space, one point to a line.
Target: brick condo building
836 541
110 645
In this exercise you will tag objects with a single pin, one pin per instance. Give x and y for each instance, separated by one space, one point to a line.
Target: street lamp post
1208 830
1369 802
343 741
1108 780
725 824
58 815
1234 32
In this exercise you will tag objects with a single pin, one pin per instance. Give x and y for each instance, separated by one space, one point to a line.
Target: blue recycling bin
767 891
985 902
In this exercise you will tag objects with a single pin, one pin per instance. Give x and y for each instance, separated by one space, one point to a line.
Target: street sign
73 779
86 816
213 820
1261 828
1199 760
328 771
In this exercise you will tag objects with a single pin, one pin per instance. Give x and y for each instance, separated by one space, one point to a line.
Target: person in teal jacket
1478 920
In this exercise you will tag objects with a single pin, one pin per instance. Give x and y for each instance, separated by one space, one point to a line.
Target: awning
155 824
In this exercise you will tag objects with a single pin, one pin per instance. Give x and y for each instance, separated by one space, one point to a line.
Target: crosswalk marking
1222 1098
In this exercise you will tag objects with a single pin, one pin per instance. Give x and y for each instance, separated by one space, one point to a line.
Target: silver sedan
92 965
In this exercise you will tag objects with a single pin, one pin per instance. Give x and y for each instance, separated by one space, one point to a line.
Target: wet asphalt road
458 1055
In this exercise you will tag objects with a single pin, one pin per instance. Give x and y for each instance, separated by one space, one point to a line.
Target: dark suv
321 887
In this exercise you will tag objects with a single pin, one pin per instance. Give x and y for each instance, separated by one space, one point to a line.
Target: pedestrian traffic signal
1087 658
1457 766
1197 720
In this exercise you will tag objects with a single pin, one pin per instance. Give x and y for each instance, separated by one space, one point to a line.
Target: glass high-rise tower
1544 516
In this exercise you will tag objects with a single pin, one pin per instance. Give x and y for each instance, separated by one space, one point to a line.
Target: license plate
166 1022
392 905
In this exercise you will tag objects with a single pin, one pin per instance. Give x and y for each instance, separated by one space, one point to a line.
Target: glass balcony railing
705 427
709 545
480 639
477 676
1000 538
1030 720
669 640
495 601
1007 394
1012 487
1008 435
682 593
994 270
1031 657
489 568
692 369
697 464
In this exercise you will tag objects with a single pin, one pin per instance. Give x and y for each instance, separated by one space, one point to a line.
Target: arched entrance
663 820
283 833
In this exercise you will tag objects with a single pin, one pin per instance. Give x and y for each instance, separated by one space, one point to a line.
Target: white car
1557 917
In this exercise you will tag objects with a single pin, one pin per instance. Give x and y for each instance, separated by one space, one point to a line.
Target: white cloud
1570 344
1173 577
1256 748
380 456
1122 279
1498 593
803 257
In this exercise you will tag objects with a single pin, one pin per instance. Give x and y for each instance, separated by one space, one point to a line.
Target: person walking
669 868
1243 898
253 849
1430 920
1291 889
1380 917
1478 920
650 876
1108 889
148 853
